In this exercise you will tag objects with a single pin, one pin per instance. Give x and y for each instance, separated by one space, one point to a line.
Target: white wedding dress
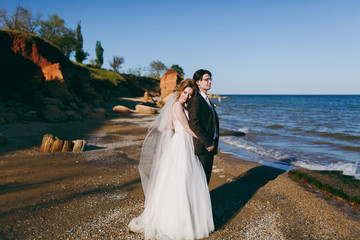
178 205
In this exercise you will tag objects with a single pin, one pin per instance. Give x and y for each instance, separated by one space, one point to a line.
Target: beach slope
95 194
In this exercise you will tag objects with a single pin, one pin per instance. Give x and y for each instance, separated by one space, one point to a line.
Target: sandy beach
94 194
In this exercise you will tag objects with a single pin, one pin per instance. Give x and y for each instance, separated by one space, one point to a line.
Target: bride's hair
184 84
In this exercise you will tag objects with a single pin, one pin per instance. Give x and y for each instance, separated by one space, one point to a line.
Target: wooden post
79 145
47 142
57 145
67 146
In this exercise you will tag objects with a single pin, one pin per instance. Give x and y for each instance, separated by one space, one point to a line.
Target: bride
177 199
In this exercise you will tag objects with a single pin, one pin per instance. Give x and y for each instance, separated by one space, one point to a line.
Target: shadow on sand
228 199
21 135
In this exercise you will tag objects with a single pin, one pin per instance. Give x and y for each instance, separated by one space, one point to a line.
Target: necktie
207 99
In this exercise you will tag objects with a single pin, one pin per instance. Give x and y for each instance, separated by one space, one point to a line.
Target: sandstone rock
72 115
98 113
142 109
52 72
168 82
146 97
53 114
121 109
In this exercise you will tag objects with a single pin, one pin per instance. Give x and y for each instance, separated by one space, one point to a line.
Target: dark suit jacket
202 123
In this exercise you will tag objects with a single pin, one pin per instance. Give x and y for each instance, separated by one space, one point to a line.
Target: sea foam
252 147
350 169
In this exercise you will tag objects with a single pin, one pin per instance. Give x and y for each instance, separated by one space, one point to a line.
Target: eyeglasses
207 79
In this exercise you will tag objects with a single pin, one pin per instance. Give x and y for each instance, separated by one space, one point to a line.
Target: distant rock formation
168 82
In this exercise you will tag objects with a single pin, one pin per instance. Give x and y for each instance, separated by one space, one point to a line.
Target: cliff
35 76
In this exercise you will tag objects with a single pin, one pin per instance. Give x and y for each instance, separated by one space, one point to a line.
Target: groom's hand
211 148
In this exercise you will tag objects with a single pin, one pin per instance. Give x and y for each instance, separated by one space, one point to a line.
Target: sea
316 132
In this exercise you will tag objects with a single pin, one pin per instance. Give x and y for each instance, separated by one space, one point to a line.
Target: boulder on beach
121 109
9 116
142 109
72 115
53 114
146 97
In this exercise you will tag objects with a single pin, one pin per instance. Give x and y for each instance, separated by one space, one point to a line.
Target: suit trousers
207 163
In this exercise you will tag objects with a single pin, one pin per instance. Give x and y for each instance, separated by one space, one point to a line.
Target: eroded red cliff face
29 49
37 81
37 74
32 67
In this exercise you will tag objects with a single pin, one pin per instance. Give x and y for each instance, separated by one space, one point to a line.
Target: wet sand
94 194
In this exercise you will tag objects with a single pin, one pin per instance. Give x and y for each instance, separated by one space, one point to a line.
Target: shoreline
95 194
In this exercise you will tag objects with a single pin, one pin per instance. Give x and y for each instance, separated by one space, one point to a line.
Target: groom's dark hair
200 73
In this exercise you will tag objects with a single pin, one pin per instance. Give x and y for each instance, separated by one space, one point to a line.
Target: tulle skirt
178 205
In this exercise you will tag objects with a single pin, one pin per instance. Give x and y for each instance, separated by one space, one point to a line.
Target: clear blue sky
250 46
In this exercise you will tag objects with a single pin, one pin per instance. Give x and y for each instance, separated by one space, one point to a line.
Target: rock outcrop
38 82
33 71
168 82
137 86
143 109
121 109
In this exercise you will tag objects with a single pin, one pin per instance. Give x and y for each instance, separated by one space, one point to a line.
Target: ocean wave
252 147
275 126
229 131
351 148
339 136
349 169
321 143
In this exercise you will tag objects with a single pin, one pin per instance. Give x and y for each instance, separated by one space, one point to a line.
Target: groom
204 122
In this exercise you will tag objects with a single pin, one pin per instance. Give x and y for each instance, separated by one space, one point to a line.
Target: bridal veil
155 143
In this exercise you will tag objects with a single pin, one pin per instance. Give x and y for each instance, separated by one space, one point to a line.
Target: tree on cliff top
22 19
80 55
54 31
156 67
177 69
116 63
99 54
